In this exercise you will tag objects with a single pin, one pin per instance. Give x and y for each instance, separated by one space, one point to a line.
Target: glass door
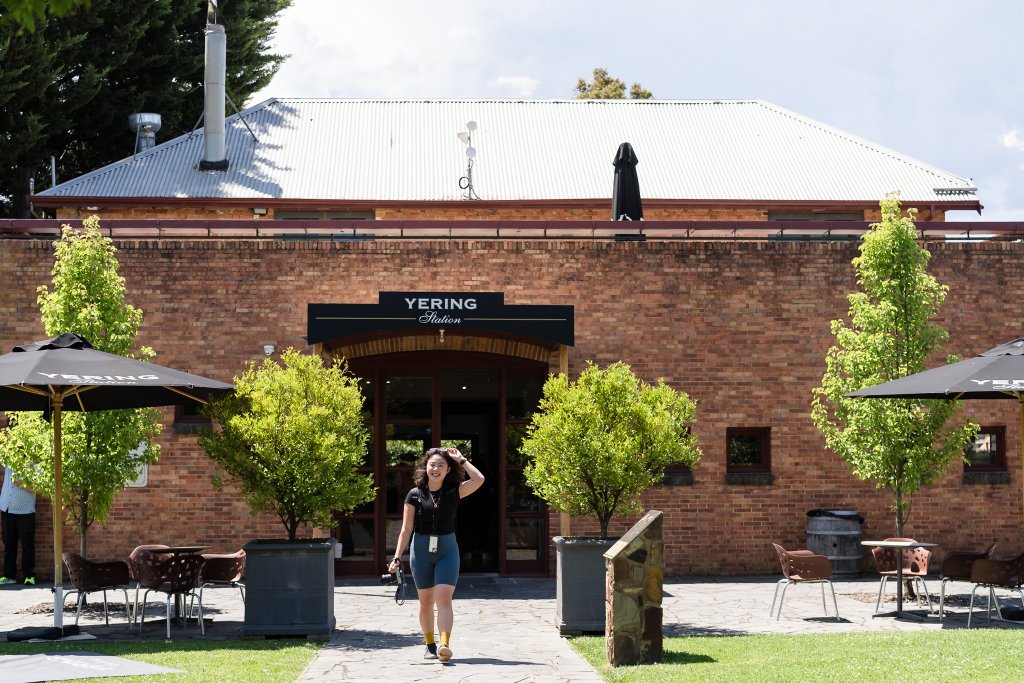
478 403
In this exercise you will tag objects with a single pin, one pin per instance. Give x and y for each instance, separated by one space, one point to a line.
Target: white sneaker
444 653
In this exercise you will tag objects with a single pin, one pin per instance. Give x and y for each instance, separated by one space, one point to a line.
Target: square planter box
580 584
289 588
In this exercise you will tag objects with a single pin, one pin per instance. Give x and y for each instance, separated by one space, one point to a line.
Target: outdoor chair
143 553
1007 573
803 566
91 577
956 566
222 570
915 568
177 577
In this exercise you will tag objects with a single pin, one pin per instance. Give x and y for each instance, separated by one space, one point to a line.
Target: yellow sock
445 635
429 637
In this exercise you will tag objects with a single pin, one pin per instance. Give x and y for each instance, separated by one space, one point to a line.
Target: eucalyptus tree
604 87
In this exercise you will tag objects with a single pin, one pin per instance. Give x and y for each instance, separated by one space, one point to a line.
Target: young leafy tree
900 444
292 436
597 443
603 87
101 449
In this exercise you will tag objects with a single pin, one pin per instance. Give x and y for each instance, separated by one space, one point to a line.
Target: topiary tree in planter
597 443
292 437
594 446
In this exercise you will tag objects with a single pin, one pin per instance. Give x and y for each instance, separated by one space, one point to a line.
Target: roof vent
145 127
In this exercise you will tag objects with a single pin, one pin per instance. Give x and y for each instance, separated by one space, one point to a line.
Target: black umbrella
996 374
626 189
67 373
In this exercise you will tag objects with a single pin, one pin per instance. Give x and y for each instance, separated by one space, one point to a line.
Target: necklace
435 501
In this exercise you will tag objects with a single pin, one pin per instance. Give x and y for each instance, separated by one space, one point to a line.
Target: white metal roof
527 150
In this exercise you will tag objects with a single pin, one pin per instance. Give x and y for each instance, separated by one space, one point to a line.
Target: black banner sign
452 311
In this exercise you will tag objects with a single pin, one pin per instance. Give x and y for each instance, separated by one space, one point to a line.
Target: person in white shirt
18 512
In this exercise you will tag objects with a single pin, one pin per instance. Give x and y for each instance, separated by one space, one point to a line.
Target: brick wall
741 326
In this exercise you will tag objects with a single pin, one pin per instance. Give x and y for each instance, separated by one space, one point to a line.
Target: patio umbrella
996 374
67 373
626 189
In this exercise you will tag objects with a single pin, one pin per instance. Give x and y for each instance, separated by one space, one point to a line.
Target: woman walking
429 511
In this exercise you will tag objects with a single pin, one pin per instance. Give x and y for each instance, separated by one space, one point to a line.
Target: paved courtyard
505 628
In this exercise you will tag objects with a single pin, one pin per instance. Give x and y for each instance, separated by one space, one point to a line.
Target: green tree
292 436
597 443
603 87
25 13
65 91
900 444
101 449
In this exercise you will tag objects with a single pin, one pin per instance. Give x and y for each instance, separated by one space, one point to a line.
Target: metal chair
956 566
803 566
223 570
143 553
915 567
177 576
1007 573
91 577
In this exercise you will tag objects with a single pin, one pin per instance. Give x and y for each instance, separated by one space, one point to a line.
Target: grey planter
580 584
289 588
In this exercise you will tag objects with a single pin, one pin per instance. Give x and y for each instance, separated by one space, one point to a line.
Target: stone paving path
505 628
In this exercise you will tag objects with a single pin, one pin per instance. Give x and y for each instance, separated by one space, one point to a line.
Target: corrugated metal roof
527 150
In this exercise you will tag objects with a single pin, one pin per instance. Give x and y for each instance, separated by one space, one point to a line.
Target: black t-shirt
427 522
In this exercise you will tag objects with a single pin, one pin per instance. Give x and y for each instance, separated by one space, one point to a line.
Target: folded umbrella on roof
626 203
67 373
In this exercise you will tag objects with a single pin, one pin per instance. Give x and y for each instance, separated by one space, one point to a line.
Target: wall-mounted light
259 211
268 349
441 333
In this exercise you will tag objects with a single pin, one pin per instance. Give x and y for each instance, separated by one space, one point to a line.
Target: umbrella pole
58 523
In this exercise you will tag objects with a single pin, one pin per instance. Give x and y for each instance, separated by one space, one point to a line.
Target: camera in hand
396 579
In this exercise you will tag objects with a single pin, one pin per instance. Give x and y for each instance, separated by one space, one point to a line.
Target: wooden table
902 545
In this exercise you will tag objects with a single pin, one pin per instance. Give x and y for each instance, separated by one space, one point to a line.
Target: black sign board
451 311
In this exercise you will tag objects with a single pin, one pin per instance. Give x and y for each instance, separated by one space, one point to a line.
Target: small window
191 413
988 451
783 216
748 449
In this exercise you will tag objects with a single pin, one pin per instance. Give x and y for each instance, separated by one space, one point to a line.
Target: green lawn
934 657
246 661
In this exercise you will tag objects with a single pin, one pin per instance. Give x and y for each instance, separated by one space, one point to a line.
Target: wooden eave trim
48 201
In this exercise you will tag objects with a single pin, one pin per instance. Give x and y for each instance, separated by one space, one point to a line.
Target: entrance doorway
479 403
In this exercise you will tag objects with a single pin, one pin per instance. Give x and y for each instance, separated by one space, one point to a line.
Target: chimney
214 156
145 127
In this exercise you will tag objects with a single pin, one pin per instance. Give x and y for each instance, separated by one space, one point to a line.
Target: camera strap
400 589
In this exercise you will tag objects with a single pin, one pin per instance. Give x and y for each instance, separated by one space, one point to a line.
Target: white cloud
516 86
1013 140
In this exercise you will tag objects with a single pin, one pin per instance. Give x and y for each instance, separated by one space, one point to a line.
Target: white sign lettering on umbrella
67 373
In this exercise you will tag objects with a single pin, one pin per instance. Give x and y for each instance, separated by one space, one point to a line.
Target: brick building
344 209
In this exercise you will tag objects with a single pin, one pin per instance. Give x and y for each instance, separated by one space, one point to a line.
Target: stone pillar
634 576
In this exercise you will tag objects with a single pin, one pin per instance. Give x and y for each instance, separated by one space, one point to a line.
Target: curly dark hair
454 476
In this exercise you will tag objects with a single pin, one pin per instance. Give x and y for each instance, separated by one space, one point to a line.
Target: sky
941 81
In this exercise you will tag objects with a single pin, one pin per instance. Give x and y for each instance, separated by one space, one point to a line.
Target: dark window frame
999 431
764 435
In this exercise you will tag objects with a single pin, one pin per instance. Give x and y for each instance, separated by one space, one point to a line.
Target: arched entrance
475 393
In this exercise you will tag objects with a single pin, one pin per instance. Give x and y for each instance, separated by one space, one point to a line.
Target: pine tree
68 88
